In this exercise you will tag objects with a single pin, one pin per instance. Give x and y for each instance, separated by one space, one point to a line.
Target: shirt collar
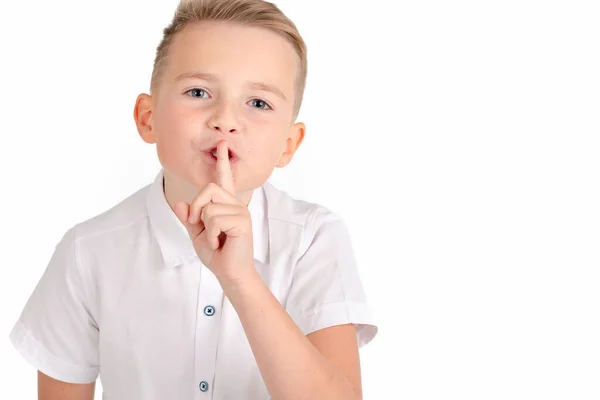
172 237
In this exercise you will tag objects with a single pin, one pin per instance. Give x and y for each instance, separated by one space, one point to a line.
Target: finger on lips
220 192
224 174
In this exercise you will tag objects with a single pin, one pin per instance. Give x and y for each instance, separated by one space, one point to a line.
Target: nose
224 121
231 130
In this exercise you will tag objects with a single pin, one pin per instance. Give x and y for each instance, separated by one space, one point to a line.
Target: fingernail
191 218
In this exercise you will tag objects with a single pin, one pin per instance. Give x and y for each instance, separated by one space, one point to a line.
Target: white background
460 141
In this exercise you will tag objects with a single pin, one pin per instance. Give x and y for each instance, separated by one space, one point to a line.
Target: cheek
175 139
264 152
169 121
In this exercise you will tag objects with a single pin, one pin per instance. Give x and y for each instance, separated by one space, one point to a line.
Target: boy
208 283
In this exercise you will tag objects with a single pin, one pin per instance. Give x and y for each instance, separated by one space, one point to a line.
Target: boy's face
206 94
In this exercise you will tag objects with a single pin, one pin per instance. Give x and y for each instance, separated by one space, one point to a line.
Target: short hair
255 13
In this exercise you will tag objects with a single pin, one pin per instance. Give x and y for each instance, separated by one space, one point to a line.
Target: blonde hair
255 13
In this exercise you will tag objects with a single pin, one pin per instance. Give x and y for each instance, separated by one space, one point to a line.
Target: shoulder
285 208
316 221
122 217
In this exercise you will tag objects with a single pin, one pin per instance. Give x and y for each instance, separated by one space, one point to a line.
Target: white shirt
126 298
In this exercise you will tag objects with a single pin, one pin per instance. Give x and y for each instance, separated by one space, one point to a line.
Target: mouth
212 153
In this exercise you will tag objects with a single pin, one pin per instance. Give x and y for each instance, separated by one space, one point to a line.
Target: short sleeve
326 289
56 332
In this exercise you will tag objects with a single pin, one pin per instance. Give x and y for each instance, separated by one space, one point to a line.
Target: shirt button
203 386
209 310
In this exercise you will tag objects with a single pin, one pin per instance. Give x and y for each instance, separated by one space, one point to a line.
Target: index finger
224 174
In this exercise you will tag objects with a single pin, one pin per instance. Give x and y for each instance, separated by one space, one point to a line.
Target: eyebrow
252 85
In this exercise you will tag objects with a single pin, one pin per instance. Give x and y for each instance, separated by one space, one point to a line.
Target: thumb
182 211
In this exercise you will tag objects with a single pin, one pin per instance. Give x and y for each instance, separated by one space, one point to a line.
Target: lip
233 158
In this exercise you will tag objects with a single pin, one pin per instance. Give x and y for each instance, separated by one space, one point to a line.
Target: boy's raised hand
219 224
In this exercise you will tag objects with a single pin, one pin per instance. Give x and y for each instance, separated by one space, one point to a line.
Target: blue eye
265 103
196 91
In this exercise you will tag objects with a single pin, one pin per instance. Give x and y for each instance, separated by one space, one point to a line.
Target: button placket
208 316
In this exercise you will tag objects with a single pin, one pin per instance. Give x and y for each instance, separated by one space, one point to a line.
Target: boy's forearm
291 367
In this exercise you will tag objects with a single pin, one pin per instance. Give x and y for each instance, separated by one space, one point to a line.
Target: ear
142 113
293 141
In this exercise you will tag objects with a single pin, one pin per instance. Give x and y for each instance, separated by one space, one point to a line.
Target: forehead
234 52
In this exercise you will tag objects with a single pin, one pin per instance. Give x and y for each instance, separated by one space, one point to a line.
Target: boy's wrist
239 283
